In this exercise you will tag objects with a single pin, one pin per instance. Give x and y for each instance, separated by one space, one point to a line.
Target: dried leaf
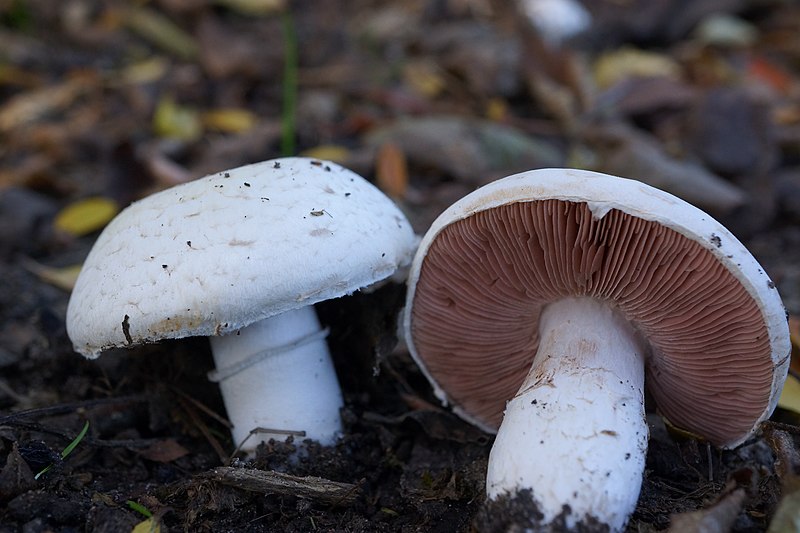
425 77
470 149
474 56
173 121
231 52
164 451
559 80
161 31
254 7
627 62
790 395
228 151
26 170
86 216
328 152
639 96
794 335
723 29
731 131
231 120
392 170
787 461
164 170
718 517
16 476
15 75
31 105
787 517
769 73
150 70
627 152
150 525
497 110
388 23
64 277
786 114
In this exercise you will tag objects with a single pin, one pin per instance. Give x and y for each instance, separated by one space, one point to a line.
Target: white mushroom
552 294
241 256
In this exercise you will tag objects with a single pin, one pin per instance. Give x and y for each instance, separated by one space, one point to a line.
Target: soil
80 85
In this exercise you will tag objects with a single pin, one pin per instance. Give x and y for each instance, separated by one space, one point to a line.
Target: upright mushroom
551 294
241 256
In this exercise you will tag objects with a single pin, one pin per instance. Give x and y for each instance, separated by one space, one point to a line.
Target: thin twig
203 407
271 482
201 425
51 410
91 441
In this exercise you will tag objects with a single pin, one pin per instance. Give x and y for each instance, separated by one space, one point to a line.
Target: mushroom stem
293 388
575 434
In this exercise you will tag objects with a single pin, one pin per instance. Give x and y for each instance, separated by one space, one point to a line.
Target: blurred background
105 102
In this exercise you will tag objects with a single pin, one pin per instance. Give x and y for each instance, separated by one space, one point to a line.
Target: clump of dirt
520 512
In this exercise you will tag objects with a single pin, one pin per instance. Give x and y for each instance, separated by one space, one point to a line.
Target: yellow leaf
149 70
63 277
497 109
424 77
794 335
328 152
613 67
173 121
14 75
86 216
254 7
31 105
790 396
231 120
787 517
147 526
161 31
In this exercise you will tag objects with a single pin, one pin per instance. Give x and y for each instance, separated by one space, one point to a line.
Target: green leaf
139 508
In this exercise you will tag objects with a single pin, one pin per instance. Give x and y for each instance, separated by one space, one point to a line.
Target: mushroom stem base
291 390
575 434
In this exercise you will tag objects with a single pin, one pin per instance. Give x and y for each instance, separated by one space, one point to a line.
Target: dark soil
76 119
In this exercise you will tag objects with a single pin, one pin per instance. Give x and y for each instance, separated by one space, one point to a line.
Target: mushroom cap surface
213 255
715 324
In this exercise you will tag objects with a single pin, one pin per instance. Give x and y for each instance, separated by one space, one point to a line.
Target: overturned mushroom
241 256
541 303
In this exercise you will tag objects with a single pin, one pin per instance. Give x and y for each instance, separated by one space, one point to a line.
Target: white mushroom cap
217 254
715 323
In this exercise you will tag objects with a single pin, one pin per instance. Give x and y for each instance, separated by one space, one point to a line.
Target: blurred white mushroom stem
556 20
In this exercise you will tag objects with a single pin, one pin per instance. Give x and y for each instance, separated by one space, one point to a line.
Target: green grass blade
68 450
288 113
139 508
72 445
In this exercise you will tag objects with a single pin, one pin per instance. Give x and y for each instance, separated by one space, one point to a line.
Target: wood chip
270 482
